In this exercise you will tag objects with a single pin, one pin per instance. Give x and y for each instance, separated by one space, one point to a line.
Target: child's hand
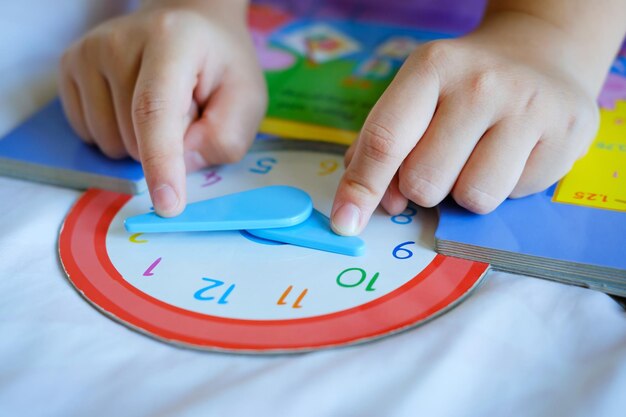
504 111
140 84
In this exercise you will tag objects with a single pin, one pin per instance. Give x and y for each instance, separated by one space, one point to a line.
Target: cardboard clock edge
252 351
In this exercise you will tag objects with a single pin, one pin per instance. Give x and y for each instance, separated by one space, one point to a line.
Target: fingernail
346 220
165 199
194 161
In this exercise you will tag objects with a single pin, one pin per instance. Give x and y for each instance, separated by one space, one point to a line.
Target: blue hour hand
314 233
260 208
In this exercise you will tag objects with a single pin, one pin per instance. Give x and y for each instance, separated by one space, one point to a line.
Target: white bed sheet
519 346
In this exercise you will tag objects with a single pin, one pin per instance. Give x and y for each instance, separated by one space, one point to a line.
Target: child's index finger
162 97
391 131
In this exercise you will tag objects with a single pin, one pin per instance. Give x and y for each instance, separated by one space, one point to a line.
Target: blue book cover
537 236
45 148
537 226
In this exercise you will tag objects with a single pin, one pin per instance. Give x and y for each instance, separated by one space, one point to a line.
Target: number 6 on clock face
229 291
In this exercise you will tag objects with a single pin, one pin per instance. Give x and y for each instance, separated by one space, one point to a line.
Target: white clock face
234 275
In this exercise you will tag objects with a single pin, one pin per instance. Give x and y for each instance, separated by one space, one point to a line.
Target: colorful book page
599 179
324 75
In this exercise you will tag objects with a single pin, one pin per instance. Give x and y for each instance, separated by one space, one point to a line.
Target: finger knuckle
484 83
378 141
114 46
437 53
88 47
360 188
419 185
73 57
475 199
148 106
556 146
566 143
532 103
230 142
167 21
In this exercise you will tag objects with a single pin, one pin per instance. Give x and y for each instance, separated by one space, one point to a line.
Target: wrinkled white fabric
519 346
33 35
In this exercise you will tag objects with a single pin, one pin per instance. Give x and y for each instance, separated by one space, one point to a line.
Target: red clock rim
436 288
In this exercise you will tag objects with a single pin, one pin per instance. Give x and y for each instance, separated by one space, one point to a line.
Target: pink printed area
267 18
614 89
271 59
263 20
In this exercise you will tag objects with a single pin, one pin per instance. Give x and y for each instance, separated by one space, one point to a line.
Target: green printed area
318 94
